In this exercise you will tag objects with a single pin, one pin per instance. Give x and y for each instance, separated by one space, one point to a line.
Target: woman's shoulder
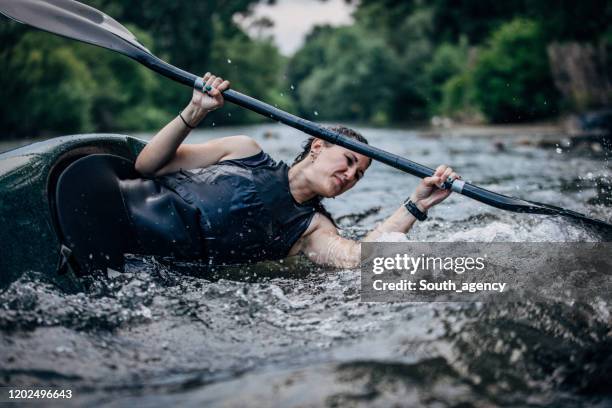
258 159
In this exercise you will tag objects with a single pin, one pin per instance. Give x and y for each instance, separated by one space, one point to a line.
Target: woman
252 208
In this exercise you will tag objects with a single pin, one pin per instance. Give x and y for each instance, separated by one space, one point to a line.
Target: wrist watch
414 210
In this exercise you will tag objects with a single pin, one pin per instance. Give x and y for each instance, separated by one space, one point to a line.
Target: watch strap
414 210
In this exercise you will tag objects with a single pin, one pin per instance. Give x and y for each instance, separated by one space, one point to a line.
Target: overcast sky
293 19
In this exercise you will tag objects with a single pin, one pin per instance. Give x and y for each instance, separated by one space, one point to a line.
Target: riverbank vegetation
398 62
472 60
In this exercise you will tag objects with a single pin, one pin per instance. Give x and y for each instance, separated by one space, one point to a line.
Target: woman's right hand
212 99
430 192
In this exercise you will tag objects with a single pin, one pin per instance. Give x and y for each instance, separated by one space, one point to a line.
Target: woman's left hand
429 192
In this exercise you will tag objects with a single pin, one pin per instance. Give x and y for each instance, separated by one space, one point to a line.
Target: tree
68 87
512 78
448 61
44 82
351 77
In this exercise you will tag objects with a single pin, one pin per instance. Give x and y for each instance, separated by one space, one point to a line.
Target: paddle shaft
304 125
279 115
459 186
314 129
393 160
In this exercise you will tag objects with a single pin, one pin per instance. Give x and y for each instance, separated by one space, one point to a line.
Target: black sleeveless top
246 211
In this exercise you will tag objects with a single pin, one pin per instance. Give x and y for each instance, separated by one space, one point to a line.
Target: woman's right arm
323 245
165 153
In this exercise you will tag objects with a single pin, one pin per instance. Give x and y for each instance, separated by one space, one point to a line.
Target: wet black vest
247 213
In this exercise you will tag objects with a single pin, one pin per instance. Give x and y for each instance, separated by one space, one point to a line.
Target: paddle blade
74 20
602 227
532 207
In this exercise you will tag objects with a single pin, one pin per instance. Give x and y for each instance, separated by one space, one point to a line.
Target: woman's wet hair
343 130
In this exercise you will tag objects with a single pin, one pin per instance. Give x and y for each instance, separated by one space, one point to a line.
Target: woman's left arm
427 194
165 145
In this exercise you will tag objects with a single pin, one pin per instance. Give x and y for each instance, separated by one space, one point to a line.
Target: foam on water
392 237
547 230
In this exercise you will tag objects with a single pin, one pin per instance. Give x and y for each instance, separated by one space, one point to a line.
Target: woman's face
335 168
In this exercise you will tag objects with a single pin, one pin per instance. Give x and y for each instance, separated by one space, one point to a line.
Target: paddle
84 23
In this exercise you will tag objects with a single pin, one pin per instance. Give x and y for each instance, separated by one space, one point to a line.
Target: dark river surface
293 334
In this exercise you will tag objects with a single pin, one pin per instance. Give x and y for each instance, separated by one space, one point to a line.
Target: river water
293 334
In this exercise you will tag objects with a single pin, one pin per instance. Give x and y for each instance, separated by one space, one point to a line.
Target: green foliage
452 83
477 19
252 66
473 19
400 61
122 89
310 56
331 69
61 86
512 79
353 78
448 61
412 90
44 82
430 41
459 100
184 32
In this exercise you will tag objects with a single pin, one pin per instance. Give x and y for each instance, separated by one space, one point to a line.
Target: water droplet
316 113
229 61
292 87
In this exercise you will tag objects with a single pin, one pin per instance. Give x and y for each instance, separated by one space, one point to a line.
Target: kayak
31 235
63 212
